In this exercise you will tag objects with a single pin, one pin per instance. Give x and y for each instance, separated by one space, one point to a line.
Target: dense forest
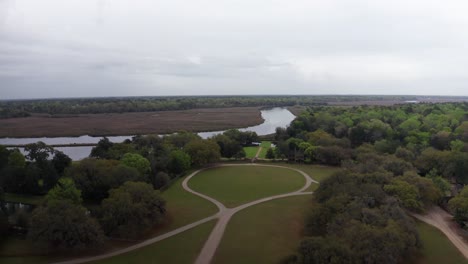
395 160
23 108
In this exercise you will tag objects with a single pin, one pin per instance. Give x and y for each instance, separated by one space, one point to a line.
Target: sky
87 48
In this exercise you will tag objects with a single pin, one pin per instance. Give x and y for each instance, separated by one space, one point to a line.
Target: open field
195 120
234 186
181 248
317 172
183 208
436 247
264 233
250 152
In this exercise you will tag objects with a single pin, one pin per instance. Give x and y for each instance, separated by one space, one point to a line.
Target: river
273 118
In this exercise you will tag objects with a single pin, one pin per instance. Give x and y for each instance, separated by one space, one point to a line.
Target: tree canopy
131 209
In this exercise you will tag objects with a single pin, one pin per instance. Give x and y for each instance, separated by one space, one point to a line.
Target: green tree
203 152
458 205
61 224
131 209
240 154
179 162
442 184
64 190
136 161
318 250
101 149
270 154
406 193
60 162
96 177
160 180
4 153
38 152
16 160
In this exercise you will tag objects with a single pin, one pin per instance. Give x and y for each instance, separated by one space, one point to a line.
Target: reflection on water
12 207
276 117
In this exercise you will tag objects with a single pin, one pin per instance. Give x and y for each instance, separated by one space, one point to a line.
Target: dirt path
258 152
443 221
224 215
209 249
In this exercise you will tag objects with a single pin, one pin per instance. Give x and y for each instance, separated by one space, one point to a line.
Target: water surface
273 118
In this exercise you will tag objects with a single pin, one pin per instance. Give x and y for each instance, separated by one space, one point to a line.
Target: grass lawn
23 198
183 208
264 233
436 247
250 152
237 185
181 248
265 146
316 172
312 187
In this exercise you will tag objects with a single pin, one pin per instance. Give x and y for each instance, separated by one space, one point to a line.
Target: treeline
394 159
432 138
22 108
111 194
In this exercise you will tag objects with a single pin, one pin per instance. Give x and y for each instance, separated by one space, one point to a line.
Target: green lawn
436 247
237 185
264 233
181 248
183 208
316 172
265 146
250 152
23 198
312 187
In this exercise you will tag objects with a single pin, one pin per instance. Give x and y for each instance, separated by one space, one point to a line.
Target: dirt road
443 221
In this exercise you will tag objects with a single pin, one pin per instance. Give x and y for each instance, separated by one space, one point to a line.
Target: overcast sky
65 48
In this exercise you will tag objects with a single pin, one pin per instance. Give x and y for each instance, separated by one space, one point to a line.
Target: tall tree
203 152
131 209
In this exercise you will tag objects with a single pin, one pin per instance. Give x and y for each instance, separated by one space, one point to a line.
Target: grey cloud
56 48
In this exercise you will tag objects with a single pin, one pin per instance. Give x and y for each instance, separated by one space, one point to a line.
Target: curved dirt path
209 249
443 221
224 215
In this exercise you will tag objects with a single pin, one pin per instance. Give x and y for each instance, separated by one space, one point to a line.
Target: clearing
237 185
264 233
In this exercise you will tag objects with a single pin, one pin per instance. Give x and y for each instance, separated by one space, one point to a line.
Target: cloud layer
54 48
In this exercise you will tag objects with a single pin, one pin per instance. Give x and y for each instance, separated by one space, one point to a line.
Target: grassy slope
317 172
436 247
250 152
181 248
264 233
234 186
184 207
265 146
